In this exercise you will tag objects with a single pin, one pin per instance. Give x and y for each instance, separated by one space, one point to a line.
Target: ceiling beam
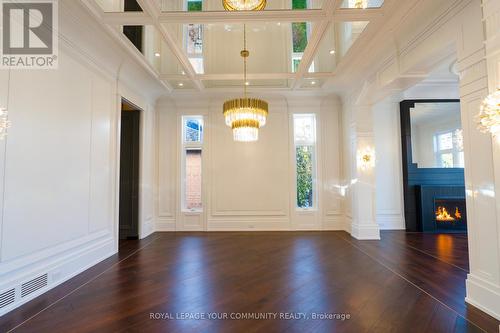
309 15
127 18
353 14
231 76
239 76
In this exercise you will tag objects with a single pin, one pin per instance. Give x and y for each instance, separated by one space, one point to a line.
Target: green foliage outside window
299 4
194 6
304 176
299 33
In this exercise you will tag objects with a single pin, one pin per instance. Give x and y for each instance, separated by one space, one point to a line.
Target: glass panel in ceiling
148 41
181 84
214 48
325 59
252 84
115 6
216 5
348 33
362 3
312 83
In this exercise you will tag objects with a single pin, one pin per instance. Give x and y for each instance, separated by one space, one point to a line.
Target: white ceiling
332 27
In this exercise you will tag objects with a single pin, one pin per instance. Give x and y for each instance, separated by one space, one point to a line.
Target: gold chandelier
243 4
489 116
245 115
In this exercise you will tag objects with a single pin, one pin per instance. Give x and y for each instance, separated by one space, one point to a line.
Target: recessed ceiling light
183 73
181 84
157 54
313 82
332 51
247 83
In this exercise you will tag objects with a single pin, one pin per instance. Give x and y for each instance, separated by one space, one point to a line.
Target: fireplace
450 214
441 209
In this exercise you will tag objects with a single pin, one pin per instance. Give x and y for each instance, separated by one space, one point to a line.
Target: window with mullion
449 149
304 126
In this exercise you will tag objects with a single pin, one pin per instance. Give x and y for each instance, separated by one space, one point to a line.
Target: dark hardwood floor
408 282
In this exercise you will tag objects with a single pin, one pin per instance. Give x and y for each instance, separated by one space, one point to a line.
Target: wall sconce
366 158
489 117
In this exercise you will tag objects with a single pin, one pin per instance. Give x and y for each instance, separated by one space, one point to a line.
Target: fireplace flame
443 215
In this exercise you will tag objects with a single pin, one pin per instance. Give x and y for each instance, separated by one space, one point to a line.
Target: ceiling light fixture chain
245 53
245 115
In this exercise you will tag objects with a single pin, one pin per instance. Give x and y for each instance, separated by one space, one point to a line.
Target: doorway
129 171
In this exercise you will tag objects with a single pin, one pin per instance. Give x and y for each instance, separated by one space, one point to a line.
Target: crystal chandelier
244 4
245 115
489 116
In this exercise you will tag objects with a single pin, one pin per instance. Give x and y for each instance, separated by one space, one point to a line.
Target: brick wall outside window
193 179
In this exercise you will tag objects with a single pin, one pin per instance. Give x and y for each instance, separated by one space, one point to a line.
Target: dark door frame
136 115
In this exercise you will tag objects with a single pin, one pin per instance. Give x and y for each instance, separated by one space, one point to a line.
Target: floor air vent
7 298
33 285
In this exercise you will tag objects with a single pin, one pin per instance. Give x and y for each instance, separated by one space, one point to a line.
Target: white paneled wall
59 166
59 174
249 186
388 173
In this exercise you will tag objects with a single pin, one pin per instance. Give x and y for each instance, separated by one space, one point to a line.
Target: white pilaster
479 68
364 225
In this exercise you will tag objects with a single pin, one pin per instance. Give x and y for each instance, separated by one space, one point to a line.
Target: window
192 147
449 149
304 129
300 35
194 38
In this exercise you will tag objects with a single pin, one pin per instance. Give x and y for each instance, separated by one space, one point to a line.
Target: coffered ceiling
199 50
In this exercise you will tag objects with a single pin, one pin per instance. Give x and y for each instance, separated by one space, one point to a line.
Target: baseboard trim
163 224
59 269
365 231
483 295
390 222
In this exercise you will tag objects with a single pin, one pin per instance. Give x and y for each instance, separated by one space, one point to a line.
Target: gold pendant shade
245 116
